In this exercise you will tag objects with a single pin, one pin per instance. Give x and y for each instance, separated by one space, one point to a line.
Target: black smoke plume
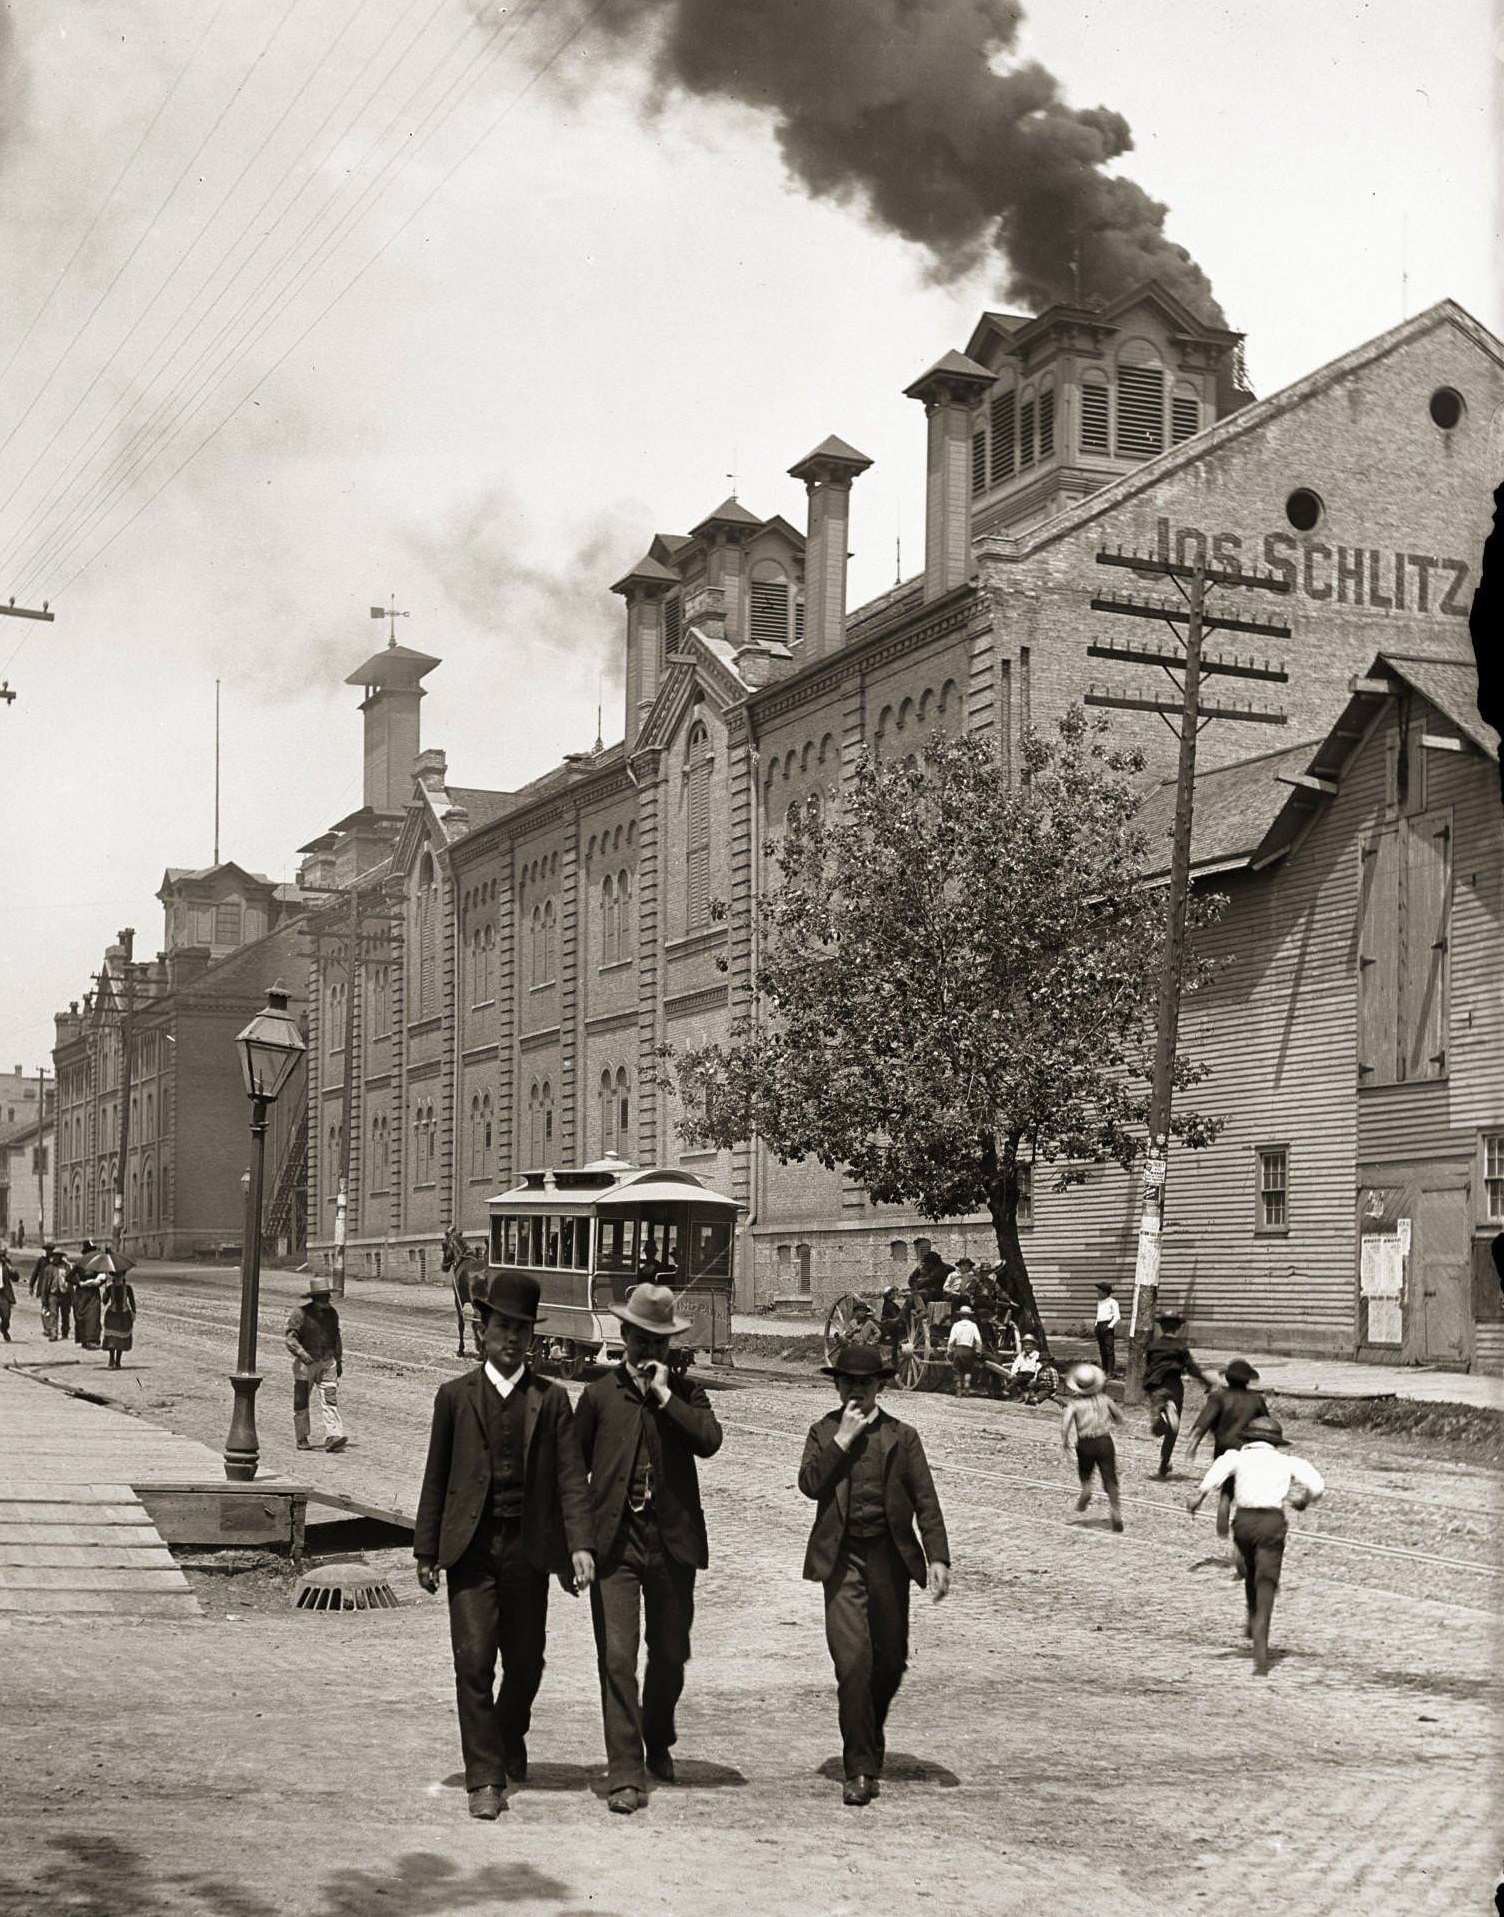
899 106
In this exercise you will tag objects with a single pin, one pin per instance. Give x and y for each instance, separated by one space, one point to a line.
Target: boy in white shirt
1025 1369
964 1347
1109 1317
1262 1480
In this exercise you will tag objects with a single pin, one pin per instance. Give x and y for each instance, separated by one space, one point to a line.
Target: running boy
1086 1433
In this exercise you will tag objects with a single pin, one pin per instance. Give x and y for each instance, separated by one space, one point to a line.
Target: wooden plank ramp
74 1535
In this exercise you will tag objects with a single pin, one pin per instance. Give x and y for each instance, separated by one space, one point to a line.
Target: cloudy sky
307 302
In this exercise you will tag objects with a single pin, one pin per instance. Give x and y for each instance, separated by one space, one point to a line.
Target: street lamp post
270 1047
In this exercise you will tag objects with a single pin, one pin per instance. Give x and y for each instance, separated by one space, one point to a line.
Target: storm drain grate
344 1587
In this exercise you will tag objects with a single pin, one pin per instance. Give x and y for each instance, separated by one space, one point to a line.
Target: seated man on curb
504 1502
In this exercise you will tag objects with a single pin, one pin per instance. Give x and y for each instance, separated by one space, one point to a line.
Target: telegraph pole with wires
1185 663
11 610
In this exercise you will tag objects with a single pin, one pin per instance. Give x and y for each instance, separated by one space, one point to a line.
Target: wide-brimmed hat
964 1261
651 1308
1171 1320
1240 1372
509 1294
1085 1381
1264 1431
317 1288
858 1361
965 1311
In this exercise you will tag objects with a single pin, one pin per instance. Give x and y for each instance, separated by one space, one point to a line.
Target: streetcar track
1016 1429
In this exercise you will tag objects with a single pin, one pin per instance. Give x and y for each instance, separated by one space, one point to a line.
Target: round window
1303 509
1446 407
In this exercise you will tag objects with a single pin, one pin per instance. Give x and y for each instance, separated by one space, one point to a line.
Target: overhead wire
146 232
89 231
585 21
59 484
62 534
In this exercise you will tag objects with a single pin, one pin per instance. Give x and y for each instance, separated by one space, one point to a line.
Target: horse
463 1264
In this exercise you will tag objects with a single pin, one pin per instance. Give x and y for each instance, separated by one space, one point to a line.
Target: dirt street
1079 1730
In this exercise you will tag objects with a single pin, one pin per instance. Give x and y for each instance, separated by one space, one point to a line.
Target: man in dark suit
504 1502
640 1431
871 1483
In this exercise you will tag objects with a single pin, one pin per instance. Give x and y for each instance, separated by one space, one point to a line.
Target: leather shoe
487 1801
626 1799
858 1790
661 1766
515 1758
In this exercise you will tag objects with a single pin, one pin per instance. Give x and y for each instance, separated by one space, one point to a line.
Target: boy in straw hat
871 1484
1262 1480
318 1362
503 1504
640 1430
1086 1433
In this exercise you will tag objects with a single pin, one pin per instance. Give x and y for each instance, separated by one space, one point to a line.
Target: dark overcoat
610 1424
457 1477
908 1495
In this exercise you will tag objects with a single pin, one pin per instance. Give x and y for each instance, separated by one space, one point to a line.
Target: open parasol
108 1264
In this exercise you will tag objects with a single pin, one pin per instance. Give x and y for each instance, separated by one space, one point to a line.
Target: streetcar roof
603 1185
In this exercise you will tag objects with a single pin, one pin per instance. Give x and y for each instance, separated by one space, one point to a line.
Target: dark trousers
1260 1540
640 1591
64 1308
1167 1401
1107 1346
1099 1455
498 1603
5 1309
867 1629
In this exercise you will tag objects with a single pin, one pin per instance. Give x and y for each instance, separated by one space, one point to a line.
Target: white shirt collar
506 1386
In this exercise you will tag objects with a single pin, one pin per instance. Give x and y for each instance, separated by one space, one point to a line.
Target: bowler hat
651 1308
1103 1286
1171 1320
1240 1372
1085 1381
858 1361
1264 1431
510 1294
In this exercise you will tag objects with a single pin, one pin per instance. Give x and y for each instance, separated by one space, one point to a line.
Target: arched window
623 1112
626 929
548 1119
608 1113
133 1216
697 770
609 922
150 1129
534 1126
487 1133
550 943
1140 424
535 947
427 930
151 1196
475 1158
488 962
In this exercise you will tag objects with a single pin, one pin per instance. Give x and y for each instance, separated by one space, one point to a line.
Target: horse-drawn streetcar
588 1236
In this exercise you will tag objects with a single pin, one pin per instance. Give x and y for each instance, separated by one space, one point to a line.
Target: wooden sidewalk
74 1535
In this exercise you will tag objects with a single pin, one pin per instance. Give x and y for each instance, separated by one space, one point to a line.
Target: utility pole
127 1046
42 1232
12 611
1185 664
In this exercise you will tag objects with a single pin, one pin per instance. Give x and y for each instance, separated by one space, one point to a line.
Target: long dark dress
119 1316
86 1312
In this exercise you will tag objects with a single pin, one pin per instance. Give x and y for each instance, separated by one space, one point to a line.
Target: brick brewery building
532 948
147 1061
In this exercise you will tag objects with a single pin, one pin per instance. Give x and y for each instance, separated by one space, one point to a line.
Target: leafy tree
960 977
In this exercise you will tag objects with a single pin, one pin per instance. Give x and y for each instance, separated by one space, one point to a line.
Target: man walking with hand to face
871 1484
640 1431
504 1503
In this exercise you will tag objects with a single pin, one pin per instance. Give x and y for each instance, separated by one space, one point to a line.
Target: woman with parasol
119 1301
90 1277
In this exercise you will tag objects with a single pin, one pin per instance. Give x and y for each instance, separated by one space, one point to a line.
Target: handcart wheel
914 1357
839 1324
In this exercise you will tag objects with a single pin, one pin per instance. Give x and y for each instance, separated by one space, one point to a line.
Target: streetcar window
551 1243
534 1241
661 1252
509 1246
574 1244
711 1250
616 1245
496 1240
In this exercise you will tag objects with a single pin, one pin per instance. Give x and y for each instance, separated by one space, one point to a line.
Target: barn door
1442 1308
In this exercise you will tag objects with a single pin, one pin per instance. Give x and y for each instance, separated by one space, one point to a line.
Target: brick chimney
644 589
392 678
827 473
951 391
431 768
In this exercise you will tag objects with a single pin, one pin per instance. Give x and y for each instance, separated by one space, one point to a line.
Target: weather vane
391 613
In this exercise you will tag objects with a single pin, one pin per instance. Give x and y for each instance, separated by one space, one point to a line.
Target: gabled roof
1252 812
179 874
483 806
1152 473
730 512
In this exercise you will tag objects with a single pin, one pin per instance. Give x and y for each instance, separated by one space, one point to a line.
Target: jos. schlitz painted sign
1376 577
